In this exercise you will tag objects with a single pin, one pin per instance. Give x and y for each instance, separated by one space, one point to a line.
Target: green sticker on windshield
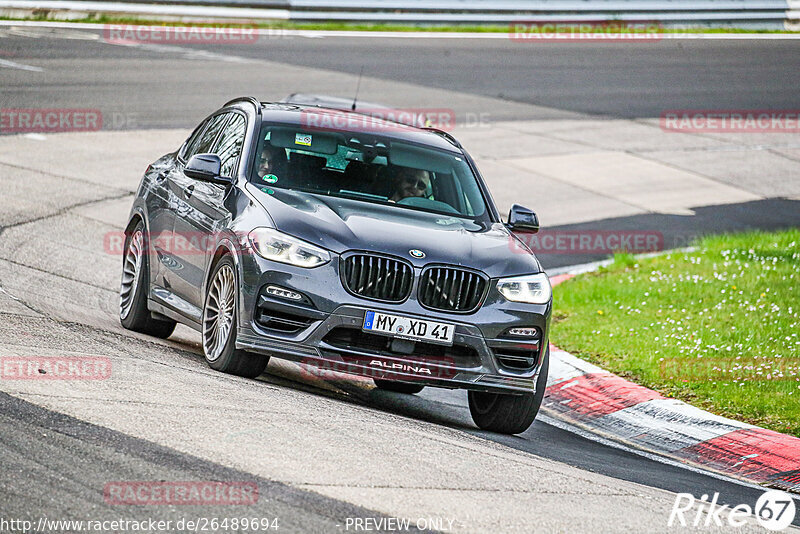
302 139
270 178
267 190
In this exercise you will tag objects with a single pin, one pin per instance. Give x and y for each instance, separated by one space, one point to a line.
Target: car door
206 213
161 206
178 273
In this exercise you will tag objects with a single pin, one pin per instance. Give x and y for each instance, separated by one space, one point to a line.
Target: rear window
368 168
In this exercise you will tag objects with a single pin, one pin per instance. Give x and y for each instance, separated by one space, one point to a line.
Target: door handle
188 191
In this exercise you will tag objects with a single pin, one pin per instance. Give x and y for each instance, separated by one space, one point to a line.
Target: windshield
368 168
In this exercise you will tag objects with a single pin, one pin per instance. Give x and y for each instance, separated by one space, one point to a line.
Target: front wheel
509 414
219 326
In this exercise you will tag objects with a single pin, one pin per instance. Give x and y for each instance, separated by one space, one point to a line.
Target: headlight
531 289
277 246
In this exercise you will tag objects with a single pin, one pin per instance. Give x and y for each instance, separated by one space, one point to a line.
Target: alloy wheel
131 270
218 314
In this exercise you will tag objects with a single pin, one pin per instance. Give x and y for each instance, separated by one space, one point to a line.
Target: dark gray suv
343 242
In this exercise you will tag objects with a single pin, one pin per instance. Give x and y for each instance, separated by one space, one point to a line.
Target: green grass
718 327
345 26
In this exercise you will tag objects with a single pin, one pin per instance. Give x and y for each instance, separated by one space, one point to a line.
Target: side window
187 148
205 141
229 146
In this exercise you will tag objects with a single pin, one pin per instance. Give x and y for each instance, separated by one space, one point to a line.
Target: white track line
187 53
149 9
271 32
13 65
593 266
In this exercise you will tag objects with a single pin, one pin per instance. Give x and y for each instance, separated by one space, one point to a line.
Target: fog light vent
283 293
529 332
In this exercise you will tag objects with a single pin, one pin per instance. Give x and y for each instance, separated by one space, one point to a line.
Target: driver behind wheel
409 182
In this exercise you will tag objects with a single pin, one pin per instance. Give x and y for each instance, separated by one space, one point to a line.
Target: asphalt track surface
167 87
610 79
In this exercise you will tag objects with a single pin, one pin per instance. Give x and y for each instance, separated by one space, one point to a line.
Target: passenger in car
272 162
409 182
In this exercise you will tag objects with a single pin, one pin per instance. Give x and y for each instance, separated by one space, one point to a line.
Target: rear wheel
133 312
509 414
397 387
219 326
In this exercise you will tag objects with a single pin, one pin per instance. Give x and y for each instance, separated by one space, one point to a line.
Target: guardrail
761 13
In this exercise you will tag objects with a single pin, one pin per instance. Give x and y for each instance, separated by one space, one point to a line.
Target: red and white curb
603 403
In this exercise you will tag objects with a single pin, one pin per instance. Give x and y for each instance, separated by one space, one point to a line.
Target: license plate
408 328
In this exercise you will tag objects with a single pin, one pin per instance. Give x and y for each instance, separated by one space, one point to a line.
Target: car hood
340 225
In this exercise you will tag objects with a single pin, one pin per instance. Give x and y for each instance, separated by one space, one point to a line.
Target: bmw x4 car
342 241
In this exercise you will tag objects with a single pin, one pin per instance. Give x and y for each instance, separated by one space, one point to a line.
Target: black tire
230 359
134 314
397 387
509 414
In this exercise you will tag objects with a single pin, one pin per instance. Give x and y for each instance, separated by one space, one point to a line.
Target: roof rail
345 105
444 134
250 99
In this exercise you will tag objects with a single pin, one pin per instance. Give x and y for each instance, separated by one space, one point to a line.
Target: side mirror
206 168
522 219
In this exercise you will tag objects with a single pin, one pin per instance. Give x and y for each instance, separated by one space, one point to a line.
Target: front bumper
325 331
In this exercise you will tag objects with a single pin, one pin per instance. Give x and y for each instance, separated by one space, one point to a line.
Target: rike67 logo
775 510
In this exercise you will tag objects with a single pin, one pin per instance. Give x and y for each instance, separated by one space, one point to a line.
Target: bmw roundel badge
416 253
